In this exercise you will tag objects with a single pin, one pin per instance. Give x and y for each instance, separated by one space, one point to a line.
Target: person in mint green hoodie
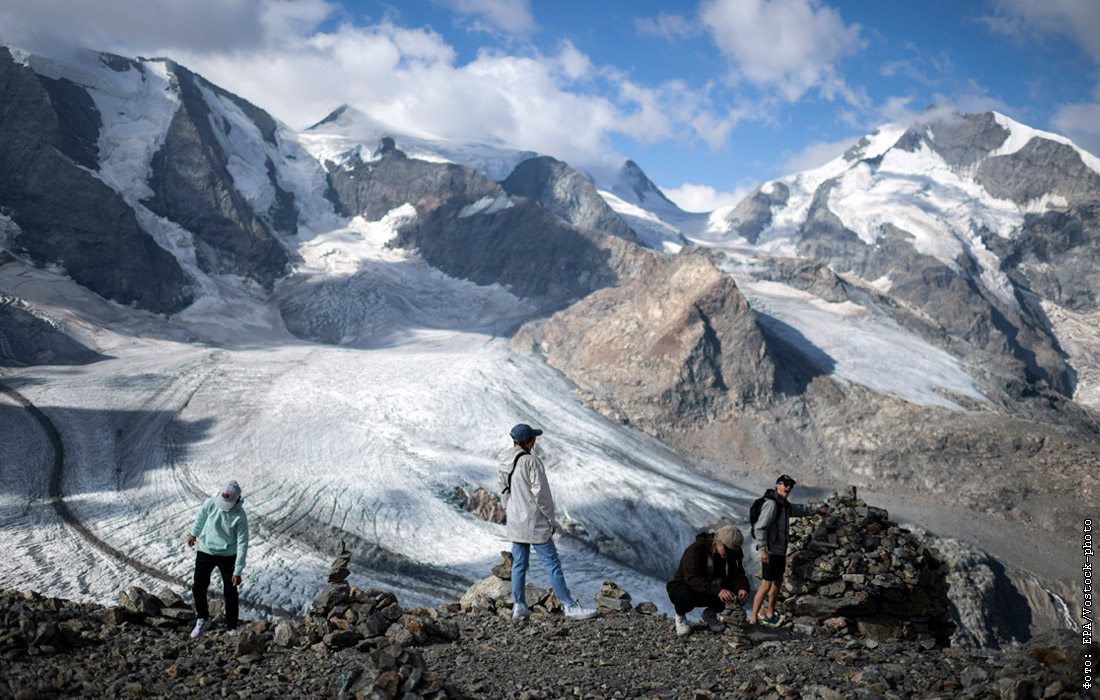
221 530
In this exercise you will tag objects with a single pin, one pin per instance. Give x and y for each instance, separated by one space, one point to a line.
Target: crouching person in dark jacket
710 575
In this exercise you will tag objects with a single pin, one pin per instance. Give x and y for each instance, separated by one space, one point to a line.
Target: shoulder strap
515 461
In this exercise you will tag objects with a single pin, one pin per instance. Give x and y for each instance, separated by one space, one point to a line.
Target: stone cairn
372 622
854 570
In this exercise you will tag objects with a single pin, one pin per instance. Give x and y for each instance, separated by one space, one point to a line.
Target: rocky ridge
363 644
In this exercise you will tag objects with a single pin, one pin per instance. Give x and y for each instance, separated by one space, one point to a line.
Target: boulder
487 591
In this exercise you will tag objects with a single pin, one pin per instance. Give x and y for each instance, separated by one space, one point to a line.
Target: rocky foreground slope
865 617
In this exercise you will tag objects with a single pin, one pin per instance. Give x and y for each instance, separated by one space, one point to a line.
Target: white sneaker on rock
712 621
520 610
682 626
576 612
200 627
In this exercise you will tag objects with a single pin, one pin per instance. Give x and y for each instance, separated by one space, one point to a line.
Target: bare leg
758 600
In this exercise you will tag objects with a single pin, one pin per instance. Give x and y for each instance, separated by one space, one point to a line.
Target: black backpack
754 513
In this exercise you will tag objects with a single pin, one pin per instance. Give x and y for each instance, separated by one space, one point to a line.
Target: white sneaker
712 621
576 612
682 626
232 632
200 627
520 610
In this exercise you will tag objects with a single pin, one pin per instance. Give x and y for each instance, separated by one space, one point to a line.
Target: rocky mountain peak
634 186
568 194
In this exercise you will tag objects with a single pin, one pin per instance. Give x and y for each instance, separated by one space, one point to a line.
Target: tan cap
730 537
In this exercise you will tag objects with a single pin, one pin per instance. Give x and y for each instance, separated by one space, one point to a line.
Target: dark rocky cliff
192 187
67 216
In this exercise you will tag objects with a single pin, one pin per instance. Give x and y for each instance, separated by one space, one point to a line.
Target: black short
775 568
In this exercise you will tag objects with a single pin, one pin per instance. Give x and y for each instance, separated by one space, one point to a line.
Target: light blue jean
548 553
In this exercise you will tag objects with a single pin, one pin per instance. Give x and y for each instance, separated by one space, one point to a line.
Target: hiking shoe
200 627
769 621
682 626
520 610
232 632
712 621
576 612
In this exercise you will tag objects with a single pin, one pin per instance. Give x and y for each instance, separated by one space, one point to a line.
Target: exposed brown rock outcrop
676 345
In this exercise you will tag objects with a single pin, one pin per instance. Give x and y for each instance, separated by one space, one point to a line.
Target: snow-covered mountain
349 319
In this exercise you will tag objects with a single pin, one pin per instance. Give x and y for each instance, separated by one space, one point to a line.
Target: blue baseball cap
523 432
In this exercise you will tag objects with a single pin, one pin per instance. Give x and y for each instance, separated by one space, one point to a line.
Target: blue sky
710 97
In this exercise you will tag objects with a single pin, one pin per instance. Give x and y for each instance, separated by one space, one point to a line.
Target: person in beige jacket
529 507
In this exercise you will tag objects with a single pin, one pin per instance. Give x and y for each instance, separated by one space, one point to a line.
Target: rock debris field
365 645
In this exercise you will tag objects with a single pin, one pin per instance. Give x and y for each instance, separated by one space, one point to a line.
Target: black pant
685 599
204 566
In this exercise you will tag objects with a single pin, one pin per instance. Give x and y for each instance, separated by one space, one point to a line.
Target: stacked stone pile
612 598
854 570
342 616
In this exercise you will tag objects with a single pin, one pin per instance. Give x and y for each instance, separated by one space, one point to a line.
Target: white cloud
702 198
973 99
198 25
510 16
791 45
1077 19
1081 124
411 80
816 154
668 26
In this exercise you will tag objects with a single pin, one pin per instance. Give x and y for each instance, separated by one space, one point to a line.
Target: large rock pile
855 570
342 616
35 625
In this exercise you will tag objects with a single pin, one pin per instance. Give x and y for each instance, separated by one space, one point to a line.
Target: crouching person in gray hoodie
529 506
221 531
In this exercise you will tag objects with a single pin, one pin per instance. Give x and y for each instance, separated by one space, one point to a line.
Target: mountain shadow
797 360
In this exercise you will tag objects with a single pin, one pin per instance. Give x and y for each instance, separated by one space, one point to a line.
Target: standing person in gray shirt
774 521
529 505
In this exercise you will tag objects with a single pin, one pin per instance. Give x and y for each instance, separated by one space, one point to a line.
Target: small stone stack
342 616
612 597
854 570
